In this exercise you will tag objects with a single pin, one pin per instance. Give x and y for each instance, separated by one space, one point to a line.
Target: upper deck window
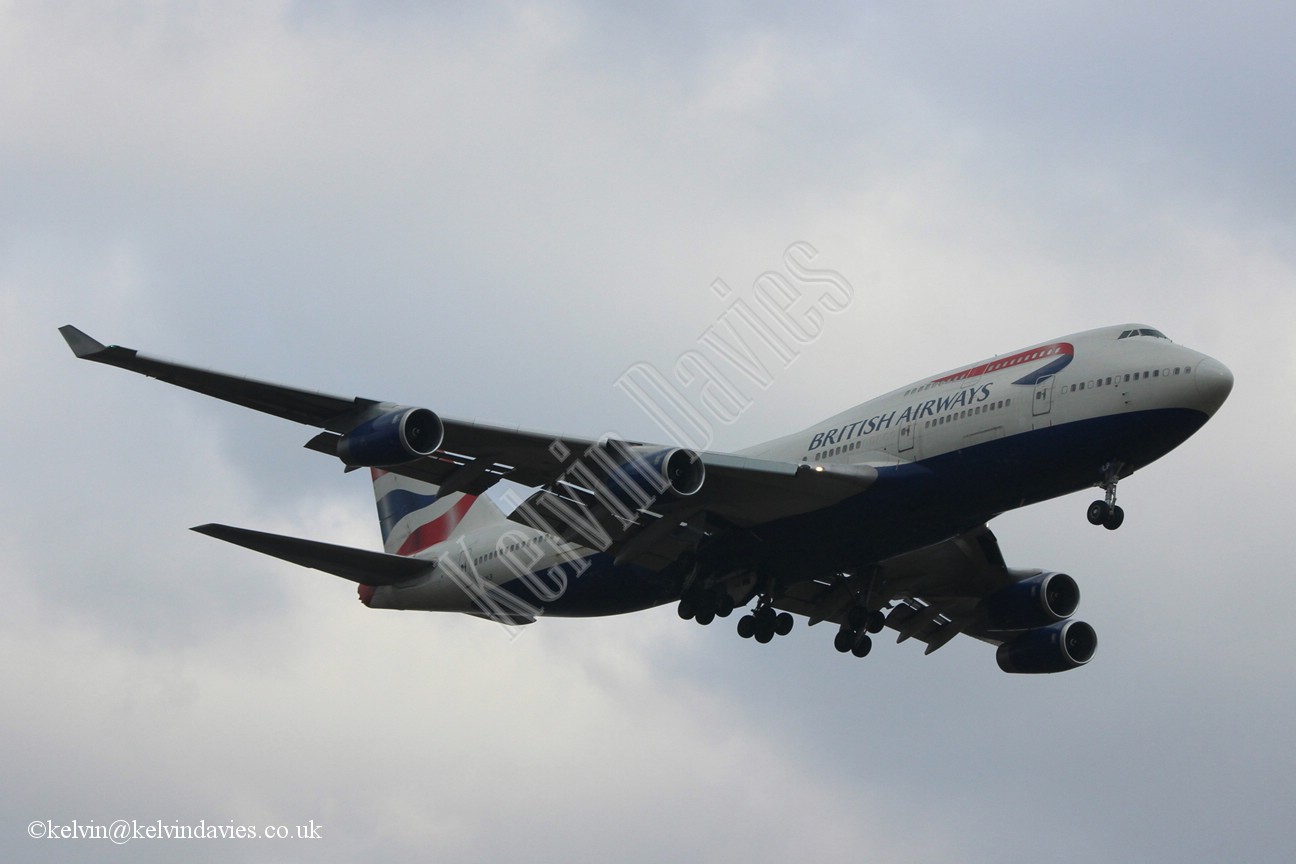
1144 331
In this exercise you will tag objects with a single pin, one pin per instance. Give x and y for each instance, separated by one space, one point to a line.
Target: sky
497 211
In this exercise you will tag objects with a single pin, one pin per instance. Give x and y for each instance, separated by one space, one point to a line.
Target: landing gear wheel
876 621
685 609
1114 519
705 617
844 641
783 624
862 647
1099 511
724 605
747 626
1105 512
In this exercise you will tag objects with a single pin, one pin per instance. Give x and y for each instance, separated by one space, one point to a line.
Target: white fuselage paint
1108 374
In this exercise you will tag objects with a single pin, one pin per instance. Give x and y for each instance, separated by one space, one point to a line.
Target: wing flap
357 565
933 594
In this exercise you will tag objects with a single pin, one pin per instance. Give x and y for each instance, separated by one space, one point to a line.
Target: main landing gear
705 605
1106 512
853 637
764 623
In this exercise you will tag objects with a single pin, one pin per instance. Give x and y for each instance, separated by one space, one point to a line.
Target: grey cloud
497 212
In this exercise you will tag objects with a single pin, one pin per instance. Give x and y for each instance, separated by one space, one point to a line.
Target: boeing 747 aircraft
874 518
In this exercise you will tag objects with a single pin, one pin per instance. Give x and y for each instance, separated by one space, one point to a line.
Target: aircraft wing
471 457
337 415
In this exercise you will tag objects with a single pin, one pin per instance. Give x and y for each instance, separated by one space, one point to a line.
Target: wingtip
81 344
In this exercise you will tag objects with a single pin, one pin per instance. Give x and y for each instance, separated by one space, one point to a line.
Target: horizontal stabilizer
358 565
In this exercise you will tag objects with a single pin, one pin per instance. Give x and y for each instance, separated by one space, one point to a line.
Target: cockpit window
1144 331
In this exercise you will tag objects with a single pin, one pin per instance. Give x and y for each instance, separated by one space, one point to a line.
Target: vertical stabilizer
414 517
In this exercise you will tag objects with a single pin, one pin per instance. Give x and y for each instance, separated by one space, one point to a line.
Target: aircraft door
1043 401
907 434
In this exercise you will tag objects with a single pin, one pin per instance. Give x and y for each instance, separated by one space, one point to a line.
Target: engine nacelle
1056 648
644 474
1036 601
395 438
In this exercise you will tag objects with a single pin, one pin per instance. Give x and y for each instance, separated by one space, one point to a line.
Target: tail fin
414 517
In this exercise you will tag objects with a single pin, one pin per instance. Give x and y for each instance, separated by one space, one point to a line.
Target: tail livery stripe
438 529
396 505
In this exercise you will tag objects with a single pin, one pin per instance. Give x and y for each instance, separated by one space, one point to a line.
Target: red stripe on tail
438 529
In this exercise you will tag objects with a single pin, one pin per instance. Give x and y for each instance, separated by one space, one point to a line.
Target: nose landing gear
1106 512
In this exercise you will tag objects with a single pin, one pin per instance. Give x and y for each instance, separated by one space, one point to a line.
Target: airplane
872 519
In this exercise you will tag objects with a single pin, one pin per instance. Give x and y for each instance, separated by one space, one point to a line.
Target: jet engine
644 473
1035 601
394 438
1055 648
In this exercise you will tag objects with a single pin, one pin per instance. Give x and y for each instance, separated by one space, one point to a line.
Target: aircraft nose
1214 383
